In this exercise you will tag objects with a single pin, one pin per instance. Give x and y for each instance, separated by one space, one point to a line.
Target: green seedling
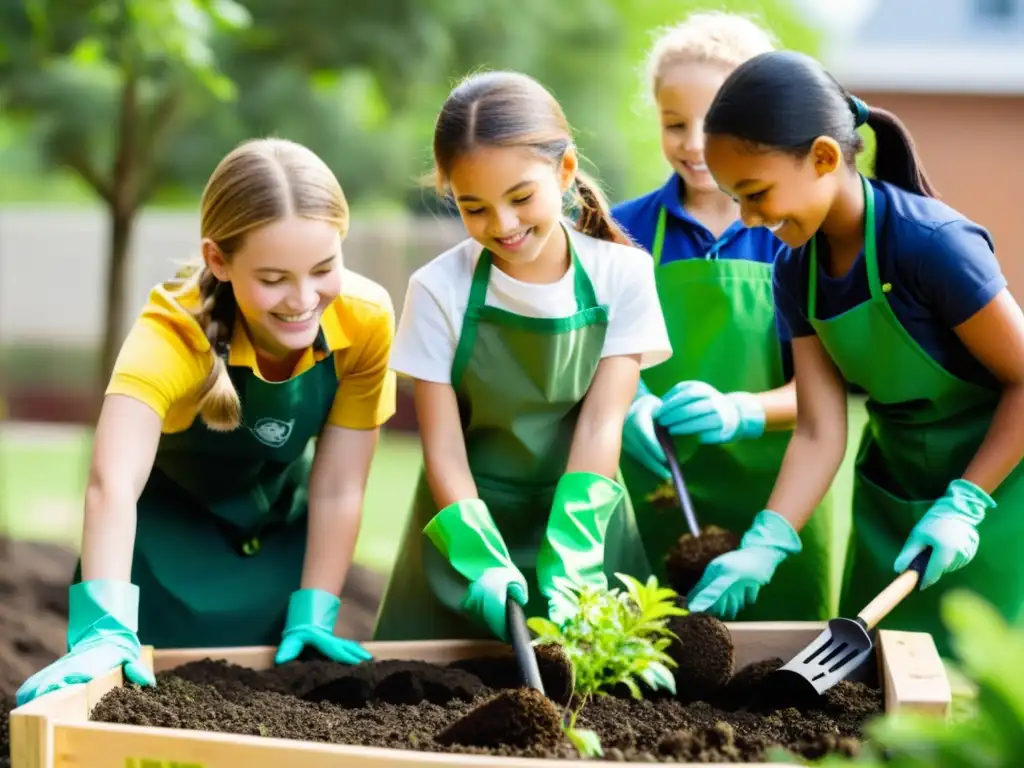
615 637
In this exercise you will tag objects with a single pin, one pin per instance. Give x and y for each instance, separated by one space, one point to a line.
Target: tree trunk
125 189
121 225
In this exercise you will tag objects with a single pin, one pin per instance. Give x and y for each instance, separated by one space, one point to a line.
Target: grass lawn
43 473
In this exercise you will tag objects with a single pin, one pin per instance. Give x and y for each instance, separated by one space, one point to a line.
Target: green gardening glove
103 619
572 553
310 621
950 528
732 581
465 533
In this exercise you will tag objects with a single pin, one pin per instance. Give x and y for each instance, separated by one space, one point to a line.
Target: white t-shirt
435 304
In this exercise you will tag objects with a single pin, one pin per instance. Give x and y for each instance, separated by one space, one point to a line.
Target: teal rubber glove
103 621
466 535
697 408
950 528
638 438
572 552
310 621
732 581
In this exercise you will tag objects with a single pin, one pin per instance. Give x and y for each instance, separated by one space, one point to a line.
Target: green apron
520 383
720 315
924 426
221 531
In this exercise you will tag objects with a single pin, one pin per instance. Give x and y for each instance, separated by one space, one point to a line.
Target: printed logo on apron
273 432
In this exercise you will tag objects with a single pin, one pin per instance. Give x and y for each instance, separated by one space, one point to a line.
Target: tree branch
80 163
156 137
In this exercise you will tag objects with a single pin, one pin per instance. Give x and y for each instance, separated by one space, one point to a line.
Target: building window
996 9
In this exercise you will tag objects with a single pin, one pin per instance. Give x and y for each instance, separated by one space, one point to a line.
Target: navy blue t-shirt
941 266
687 238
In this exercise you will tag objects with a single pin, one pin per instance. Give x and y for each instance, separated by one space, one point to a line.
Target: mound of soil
689 556
34 580
290 702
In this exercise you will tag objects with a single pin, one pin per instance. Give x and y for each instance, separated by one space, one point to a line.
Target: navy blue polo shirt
941 266
687 238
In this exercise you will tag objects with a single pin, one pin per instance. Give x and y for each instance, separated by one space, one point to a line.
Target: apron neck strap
870 254
586 297
659 236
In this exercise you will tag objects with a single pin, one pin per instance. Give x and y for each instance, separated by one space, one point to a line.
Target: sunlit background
110 124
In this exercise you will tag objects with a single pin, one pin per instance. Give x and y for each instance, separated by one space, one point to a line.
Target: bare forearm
596 446
1003 446
334 523
108 533
808 468
779 407
449 477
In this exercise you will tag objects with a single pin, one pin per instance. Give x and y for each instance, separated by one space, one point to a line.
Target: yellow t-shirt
166 357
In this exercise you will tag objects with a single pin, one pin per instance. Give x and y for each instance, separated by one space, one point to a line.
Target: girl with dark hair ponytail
884 287
525 343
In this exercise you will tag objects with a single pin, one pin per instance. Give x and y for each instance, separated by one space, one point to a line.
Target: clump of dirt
703 650
396 682
503 672
690 555
518 718
505 720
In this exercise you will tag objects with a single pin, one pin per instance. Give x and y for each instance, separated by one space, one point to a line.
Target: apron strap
477 299
659 239
870 255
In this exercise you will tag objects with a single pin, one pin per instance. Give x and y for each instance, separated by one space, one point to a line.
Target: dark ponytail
896 159
785 100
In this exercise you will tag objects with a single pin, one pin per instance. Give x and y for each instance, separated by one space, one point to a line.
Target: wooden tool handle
893 595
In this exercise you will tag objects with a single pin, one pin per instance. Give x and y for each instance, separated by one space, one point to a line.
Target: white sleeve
425 341
636 324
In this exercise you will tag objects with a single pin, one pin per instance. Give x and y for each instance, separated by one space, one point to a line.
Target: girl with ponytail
524 343
212 516
884 287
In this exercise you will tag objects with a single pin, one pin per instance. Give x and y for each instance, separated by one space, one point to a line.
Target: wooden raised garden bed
262 729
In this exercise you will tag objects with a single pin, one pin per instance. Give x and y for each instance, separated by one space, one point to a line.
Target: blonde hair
510 109
259 182
713 37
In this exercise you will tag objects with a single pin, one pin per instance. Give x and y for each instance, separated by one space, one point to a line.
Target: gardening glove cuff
467 536
102 624
733 581
310 620
638 438
572 552
751 415
950 529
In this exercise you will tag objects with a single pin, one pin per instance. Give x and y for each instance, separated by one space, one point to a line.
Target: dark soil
34 580
369 705
690 555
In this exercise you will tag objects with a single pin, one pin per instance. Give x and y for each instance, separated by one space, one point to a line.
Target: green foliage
990 652
615 638
359 81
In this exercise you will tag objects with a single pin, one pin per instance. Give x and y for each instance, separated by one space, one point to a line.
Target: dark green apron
720 315
221 530
520 382
924 426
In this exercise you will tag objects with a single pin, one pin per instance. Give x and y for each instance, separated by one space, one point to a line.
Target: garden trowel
837 652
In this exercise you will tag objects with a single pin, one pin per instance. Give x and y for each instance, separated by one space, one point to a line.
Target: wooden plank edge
103 744
913 675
